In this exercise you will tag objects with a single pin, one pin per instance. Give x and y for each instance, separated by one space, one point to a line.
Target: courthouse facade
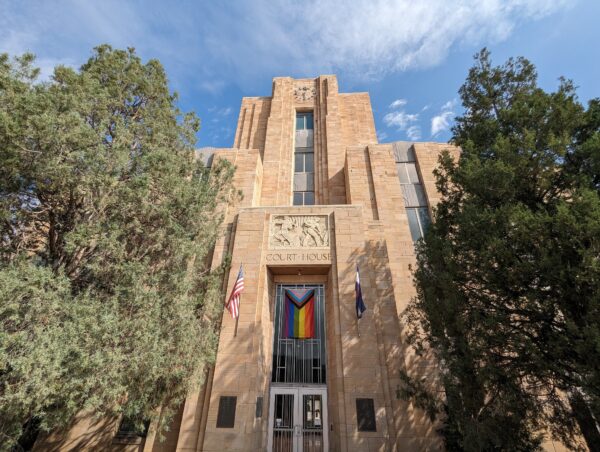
321 198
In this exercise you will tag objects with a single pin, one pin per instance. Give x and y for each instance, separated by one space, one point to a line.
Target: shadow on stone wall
383 335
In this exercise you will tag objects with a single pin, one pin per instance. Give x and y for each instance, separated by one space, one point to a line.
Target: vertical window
418 221
304 121
415 200
304 165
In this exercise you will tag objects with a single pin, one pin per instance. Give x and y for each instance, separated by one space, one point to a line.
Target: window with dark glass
304 163
304 120
413 193
130 429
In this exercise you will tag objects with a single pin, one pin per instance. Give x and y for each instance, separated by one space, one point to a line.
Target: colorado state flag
360 304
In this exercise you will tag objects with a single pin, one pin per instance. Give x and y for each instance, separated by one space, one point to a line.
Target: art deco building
321 197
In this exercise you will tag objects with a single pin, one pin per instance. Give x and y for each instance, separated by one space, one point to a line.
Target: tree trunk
585 419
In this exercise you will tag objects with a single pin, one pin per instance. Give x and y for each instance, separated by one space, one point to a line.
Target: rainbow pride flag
299 313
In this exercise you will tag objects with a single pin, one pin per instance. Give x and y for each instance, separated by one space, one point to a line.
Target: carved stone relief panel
304 93
299 231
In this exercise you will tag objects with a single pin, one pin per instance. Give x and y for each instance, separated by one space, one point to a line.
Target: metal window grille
299 360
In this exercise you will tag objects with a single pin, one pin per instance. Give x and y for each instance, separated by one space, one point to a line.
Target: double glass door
298 419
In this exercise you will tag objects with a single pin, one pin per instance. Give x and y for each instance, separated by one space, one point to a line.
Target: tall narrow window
304 162
415 200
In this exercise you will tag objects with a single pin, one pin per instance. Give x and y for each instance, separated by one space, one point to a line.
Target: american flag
233 304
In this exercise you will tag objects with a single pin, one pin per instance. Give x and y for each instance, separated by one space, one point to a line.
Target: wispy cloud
450 104
400 119
409 34
212 86
443 120
221 45
212 52
381 136
414 133
398 103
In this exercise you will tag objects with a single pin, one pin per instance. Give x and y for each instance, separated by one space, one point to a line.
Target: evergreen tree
508 276
107 225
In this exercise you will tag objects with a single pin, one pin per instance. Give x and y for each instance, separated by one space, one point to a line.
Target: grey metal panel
304 182
413 194
413 223
402 174
403 151
421 198
206 154
413 175
304 138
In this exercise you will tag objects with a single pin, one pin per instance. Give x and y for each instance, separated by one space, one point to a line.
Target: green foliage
508 276
107 227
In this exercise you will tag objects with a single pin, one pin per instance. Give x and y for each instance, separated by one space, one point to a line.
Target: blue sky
411 56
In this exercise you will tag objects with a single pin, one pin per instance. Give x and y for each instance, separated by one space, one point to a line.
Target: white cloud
443 120
414 133
368 39
381 136
212 86
221 45
450 104
398 103
400 119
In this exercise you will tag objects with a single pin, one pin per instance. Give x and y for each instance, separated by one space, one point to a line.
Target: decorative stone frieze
298 231
304 93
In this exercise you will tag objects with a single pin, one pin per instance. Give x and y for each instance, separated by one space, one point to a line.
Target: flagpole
358 326
236 322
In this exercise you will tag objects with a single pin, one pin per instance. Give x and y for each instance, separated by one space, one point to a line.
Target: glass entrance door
298 420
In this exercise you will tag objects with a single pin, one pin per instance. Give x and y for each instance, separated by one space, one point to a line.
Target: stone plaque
365 414
299 231
259 407
226 413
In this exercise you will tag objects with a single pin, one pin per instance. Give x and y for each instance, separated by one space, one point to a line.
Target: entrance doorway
298 419
298 396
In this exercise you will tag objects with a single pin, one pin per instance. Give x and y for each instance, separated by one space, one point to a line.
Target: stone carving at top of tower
299 231
304 93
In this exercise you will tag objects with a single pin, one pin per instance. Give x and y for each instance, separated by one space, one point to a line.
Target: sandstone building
321 197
